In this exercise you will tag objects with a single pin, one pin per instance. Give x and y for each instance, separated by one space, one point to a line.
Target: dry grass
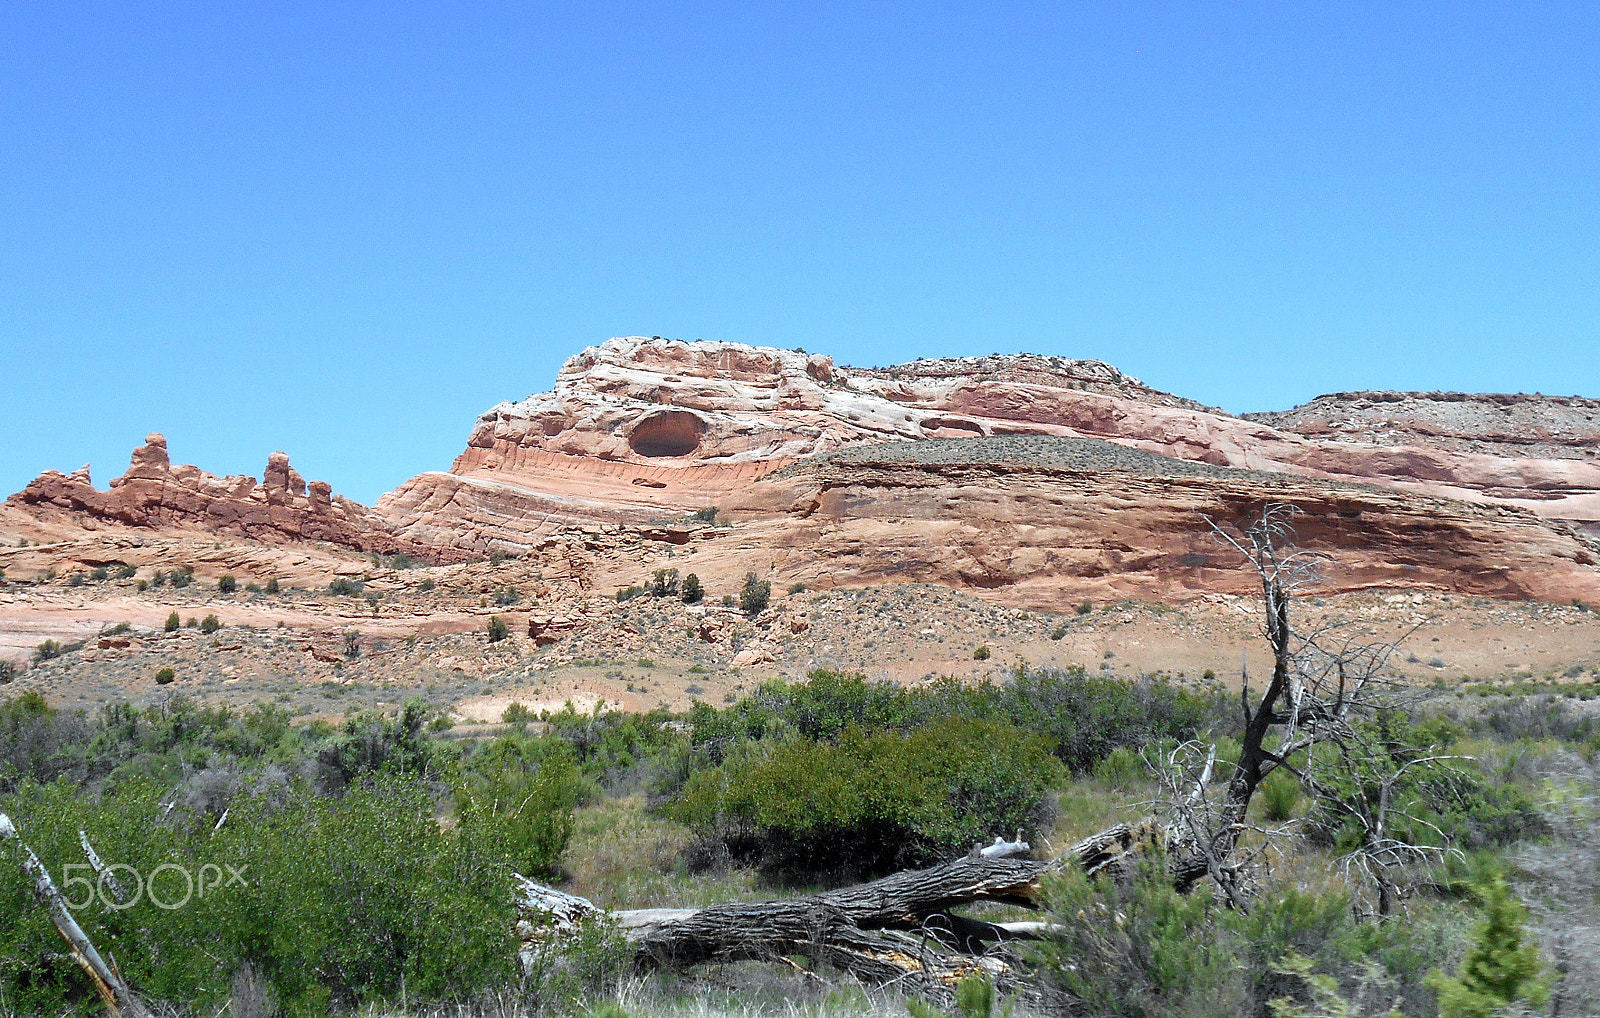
620 856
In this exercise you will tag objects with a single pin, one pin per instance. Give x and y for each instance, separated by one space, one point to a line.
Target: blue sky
344 230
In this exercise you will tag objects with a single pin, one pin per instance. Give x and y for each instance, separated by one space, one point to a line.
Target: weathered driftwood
113 989
900 929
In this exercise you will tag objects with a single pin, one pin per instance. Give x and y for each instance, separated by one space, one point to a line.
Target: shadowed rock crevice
670 433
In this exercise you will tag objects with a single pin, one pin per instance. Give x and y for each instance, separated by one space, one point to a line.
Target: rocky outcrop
640 429
154 493
1512 425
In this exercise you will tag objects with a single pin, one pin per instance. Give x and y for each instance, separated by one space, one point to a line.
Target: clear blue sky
343 230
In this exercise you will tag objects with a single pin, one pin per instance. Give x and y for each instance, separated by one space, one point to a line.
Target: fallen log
900 929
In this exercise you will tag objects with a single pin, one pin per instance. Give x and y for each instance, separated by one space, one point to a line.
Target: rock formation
637 429
1031 479
155 494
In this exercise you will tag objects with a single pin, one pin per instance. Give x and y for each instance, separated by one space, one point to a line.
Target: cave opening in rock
667 434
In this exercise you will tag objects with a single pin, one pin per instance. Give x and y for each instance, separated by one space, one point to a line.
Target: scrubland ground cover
376 858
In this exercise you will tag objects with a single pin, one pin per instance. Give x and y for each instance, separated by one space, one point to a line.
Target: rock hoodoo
153 493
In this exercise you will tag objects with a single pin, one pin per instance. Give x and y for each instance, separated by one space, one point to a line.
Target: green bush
1131 945
506 596
663 583
272 585
754 595
1279 794
629 593
516 798
426 585
1122 768
497 629
341 901
517 713
8 671
126 572
172 623
100 573
692 592
227 585
1084 717
210 624
872 802
49 650
1500 968
181 577
343 587
982 653
165 676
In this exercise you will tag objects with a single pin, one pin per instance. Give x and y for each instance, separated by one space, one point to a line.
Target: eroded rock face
153 493
1041 525
637 429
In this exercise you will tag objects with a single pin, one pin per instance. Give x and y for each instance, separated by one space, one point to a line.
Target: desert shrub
871 802
1134 946
49 650
181 577
1536 717
8 671
629 593
982 653
165 677
1121 768
1085 608
100 573
172 623
706 515
37 741
1084 717
352 645
796 588
517 795
692 592
506 596
341 901
517 713
272 586
663 583
369 743
210 624
227 585
1452 800
497 629
126 572
1501 967
754 595
426 585
1280 794
344 587
75 580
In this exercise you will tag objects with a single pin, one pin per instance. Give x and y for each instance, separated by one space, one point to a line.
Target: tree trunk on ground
900 929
